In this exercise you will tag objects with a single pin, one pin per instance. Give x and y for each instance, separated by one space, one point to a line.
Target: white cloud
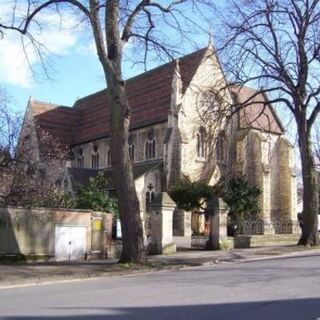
14 67
58 36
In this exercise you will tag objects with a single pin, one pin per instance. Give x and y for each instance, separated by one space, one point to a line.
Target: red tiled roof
256 110
149 96
58 121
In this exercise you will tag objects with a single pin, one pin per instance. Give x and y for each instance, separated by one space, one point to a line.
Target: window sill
200 159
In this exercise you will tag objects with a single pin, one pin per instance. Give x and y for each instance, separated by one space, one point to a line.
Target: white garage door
70 242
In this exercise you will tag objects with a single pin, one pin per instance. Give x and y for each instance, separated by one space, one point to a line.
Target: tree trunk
213 242
310 236
110 56
214 225
131 225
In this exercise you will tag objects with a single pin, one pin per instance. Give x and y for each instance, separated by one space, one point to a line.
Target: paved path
33 274
277 289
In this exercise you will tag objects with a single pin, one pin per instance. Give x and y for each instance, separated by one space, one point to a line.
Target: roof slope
149 96
58 121
257 112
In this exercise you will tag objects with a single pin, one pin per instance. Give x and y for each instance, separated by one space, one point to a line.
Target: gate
70 242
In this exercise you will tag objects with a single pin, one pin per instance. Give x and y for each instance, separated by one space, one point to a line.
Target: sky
72 69
72 66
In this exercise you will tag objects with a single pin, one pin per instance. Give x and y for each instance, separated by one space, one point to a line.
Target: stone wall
148 185
31 232
138 137
267 161
287 181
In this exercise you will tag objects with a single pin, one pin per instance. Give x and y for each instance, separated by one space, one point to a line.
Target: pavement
29 274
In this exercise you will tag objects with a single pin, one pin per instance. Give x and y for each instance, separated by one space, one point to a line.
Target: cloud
56 36
14 68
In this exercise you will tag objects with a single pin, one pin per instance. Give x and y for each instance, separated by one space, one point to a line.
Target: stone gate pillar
161 225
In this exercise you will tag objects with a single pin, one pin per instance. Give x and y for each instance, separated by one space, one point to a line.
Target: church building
185 123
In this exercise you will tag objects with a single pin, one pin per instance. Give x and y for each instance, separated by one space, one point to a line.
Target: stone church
179 128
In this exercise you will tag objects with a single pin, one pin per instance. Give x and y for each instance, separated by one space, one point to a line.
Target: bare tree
33 185
316 146
114 23
316 150
275 45
23 177
9 129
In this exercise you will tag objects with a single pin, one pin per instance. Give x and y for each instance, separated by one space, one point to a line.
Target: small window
150 196
95 158
147 201
131 152
150 149
221 147
201 143
80 158
109 158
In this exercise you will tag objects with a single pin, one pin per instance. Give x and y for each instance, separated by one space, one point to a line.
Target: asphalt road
286 288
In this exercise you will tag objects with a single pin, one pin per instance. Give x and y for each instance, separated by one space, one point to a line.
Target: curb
184 265
261 258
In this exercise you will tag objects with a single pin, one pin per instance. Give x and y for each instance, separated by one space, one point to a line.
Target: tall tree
275 45
114 23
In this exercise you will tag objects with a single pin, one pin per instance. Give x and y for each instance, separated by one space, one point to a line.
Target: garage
70 242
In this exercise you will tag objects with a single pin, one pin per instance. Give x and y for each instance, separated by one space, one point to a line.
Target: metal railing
253 227
258 226
199 241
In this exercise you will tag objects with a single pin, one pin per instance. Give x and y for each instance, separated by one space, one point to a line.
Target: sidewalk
12 275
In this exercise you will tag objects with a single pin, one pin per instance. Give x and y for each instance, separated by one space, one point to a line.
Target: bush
237 193
95 196
191 196
242 199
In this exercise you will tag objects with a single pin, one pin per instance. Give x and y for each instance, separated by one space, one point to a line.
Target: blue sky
73 66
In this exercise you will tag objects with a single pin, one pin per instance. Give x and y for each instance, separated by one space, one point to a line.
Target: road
286 288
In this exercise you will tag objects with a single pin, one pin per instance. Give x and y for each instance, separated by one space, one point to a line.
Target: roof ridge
41 102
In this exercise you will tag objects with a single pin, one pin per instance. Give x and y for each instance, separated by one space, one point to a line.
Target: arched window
80 160
221 147
150 149
131 152
201 143
108 158
147 201
95 158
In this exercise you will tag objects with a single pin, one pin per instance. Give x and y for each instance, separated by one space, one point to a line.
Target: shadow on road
295 309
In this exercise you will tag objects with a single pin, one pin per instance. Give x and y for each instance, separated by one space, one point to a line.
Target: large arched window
80 158
95 157
150 149
201 143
